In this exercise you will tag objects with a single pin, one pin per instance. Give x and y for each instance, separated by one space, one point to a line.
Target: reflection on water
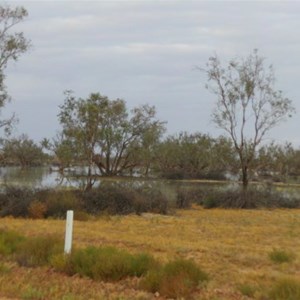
38 177
29 177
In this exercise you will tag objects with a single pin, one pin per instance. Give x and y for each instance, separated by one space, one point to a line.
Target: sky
148 52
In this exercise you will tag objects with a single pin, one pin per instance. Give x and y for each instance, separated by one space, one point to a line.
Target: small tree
23 151
105 134
248 106
12 45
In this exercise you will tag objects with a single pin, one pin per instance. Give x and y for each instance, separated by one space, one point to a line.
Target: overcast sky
146 52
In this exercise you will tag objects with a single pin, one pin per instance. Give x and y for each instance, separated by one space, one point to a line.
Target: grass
232 246
281 256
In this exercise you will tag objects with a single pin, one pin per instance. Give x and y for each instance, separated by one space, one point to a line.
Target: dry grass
232 246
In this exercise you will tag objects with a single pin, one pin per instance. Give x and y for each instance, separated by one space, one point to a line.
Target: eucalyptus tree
62 149
248 106
105 134
196 155
12 45
23 151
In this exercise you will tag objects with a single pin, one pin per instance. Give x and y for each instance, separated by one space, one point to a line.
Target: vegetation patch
285 289
37 251
9 242
176 279
106 263
281 256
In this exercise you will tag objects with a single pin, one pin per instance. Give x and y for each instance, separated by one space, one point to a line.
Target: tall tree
12 45
248 105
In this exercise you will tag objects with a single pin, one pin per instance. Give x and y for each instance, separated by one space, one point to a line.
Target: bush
176 279
155 201
285 289
59 202
106 263
37 251
254 197
280 256
37 210
115 199
14 201
9 242
185 198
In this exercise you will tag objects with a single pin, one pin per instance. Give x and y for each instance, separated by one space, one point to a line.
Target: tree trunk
245 199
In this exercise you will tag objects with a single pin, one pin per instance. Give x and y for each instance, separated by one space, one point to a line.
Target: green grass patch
9 242
281 256
37 251
105 263
285 289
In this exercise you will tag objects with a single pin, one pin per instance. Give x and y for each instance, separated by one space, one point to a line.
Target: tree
63 149
105 134
248 106
23 151
12 45
194 156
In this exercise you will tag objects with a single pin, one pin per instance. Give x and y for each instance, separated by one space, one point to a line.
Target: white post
69 231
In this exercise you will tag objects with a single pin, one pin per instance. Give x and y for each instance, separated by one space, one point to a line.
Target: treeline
104 136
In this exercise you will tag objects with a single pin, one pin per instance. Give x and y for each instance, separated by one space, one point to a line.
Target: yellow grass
232 246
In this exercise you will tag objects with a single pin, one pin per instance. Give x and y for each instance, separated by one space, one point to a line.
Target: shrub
37 210
59 202
14 201
156 201
285 289
115 199
9 242
109 199
141 263
37 251
176 279
62 263
254 197
106 263
280 256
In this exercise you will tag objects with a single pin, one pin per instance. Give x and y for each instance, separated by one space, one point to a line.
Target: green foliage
58 202
37 251
9 242
23 151
281 256
176 279
32 293
12 46
194 156
105 134
106 263
285 289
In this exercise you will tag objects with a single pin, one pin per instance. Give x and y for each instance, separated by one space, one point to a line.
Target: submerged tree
105 134
248 105
12 45
23 151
